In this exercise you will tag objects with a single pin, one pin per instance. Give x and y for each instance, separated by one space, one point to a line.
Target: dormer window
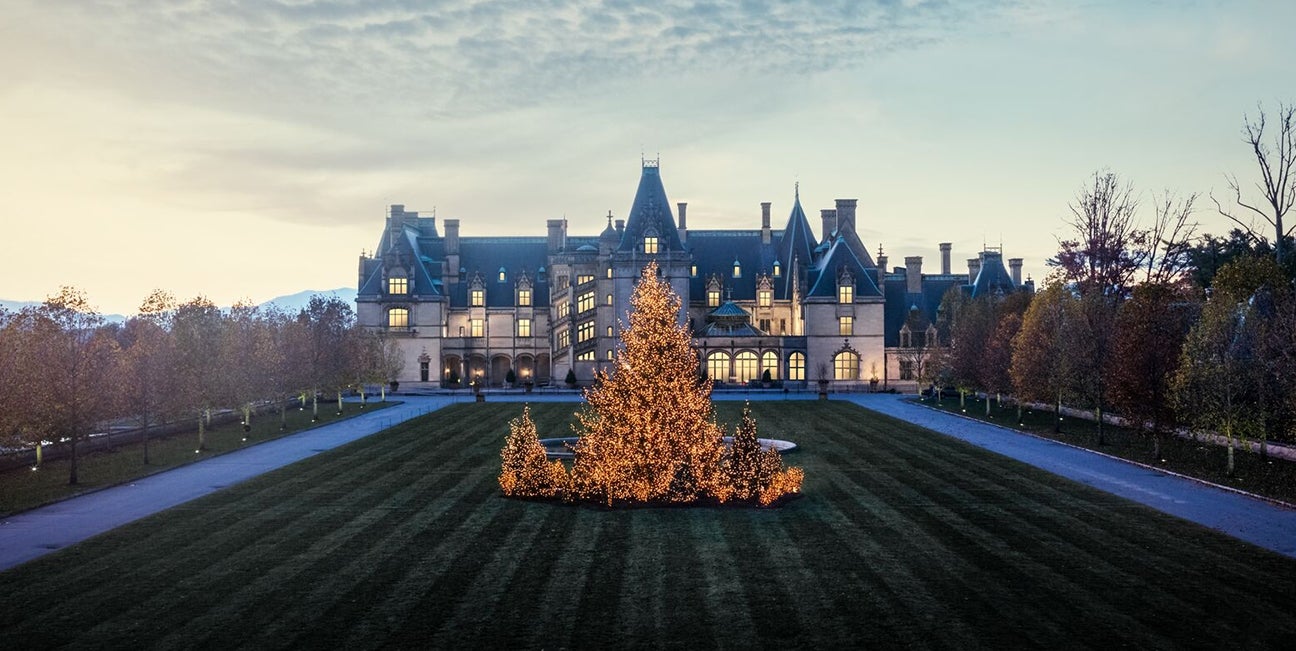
463 273
693 271
541 274
477 297
764 298
778 270
906 336
502 275
713 298
398 285
524 297
845 294
650 244
737 269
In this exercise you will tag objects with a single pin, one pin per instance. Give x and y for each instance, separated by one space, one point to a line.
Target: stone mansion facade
801 307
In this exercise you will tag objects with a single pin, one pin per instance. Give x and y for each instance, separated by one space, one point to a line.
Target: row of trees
1142 316
68 373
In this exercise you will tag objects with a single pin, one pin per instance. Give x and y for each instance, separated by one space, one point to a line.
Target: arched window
502 275
778 270
718 366
769 362
737 269
745 366
846 366
398 317
796 367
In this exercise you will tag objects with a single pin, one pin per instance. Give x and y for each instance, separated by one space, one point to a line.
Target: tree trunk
283 416
339 397
144 435
1228 431
315 407
202 433
1019 420
382 388
72 469
1098 413
962 399
40 453
1057 415
987 400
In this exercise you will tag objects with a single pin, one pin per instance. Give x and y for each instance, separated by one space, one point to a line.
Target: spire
650 214
797 240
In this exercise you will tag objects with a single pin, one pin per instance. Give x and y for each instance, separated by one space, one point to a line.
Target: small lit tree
756 473
525 471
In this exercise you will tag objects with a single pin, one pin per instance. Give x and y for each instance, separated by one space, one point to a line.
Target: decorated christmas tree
524 469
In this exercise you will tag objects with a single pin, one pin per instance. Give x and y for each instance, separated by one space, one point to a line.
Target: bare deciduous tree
1277 184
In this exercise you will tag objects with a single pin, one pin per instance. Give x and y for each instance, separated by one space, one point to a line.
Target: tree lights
648 433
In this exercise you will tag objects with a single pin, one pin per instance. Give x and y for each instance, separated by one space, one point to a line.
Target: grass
903 538
1272 477
23 488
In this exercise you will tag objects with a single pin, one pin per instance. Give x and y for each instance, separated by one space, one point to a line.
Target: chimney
765 222
882 270
945 258
1015 264
398 210
974 268
846 215
829 217
683 221
556 235
913 274
451 236
620 226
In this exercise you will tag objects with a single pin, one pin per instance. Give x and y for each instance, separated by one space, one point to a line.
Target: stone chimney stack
620 226
557 234
913 274
765 222
974 268
829 217
451 236
1015 265
846 215
683 221
882 268
945 258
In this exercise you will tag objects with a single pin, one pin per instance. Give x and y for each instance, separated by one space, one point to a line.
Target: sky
245 149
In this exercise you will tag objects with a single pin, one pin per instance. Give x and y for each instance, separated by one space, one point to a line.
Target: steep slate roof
796 242
823 278
486 255
993 277
714 253
650 210
899 302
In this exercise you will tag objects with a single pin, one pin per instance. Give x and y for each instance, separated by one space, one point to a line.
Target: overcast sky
247 149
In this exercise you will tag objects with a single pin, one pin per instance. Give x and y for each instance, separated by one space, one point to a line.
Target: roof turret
650 214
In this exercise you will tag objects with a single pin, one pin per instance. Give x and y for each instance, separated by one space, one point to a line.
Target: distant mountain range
289 303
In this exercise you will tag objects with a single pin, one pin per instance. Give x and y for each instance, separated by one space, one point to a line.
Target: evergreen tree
525 471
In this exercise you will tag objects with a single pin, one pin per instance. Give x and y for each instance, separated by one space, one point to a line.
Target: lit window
609 354
764 298
585 331
609 272
564 309
585 302
713 298
693 271
778 271
796 366
846 325
650 244
476 327
477 298
609 299
587 356
398 317
718 366
845 294
745 366
769 362
564 338
524 327
609 331
502 275
737 270
584 278
524 297
846 366
398 285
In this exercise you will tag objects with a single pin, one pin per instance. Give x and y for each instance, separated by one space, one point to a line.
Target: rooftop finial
796 190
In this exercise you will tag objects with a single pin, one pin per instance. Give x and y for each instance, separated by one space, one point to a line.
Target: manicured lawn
903 538
22 488
1272 477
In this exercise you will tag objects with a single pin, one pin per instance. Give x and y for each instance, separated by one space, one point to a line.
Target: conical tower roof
650 214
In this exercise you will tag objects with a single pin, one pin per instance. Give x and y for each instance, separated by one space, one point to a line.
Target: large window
398 285
713 298
796 367
564 310
584 278
524 327
845 294
585 331
585 302
906 369
524 297
764 298
769 362
846 366
398 317
650 244
718 366
476 328
564 338
745 366
846 325
587 356
477 297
